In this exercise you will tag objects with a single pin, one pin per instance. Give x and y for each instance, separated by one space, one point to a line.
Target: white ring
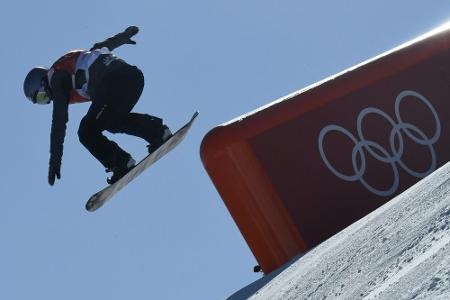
322 134
395 156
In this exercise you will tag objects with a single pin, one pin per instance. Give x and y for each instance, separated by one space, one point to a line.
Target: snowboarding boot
166 134
122 167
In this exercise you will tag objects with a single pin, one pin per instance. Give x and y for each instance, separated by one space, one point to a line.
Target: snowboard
101 197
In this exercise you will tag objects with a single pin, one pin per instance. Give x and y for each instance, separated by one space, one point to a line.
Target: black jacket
60 87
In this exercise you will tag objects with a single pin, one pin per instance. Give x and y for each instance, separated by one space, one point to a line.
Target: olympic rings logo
392 156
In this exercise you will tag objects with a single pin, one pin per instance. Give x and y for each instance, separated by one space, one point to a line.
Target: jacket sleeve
60 86
118 40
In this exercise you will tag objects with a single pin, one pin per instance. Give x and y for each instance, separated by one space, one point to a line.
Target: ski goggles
41 97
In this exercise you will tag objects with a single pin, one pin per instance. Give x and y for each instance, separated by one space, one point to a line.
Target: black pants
114 98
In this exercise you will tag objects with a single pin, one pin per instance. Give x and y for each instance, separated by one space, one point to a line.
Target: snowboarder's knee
114 127
86 130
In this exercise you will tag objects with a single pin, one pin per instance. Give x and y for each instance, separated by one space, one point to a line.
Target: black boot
122 166
156 143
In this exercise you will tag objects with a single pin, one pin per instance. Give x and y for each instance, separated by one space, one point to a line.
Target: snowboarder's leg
90 133
145 126
106 151
115 95
121 92
121 89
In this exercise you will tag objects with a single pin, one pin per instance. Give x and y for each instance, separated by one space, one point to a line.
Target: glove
130 32
118 40
54 170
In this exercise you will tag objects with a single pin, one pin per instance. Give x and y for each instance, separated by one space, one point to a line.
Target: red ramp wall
303 168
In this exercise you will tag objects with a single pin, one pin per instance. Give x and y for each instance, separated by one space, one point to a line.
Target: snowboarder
113 87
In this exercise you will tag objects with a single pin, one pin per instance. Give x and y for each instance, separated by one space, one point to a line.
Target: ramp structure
297 171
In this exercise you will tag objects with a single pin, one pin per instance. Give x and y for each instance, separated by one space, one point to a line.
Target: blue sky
167 235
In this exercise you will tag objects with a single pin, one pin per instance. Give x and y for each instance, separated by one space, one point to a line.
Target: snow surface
399 251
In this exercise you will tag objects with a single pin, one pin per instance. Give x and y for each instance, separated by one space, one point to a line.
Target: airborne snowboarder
113 87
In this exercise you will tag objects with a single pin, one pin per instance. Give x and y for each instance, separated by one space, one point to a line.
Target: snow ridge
400 251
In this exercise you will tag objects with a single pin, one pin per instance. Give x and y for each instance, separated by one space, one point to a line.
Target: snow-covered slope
400 251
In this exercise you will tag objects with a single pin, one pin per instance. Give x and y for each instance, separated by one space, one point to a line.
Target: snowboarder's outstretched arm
118 40
61 85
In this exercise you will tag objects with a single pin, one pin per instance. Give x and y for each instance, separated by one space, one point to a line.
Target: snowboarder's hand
54 170
130 32
118 40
